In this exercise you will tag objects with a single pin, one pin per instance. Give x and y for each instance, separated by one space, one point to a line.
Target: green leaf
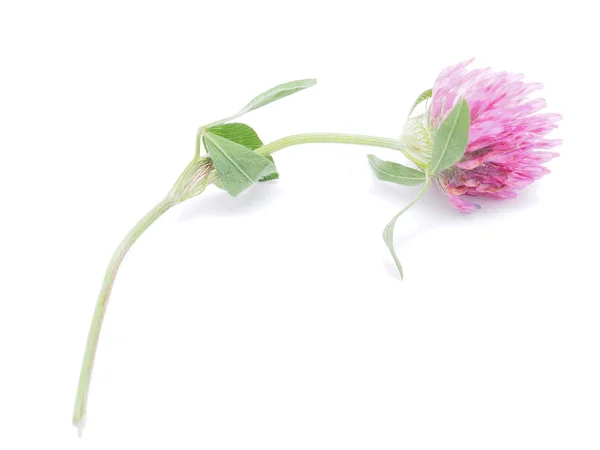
451 138
420 99
238 166
396 173
388 238
242 134
388 231
276 93
273 176
280 91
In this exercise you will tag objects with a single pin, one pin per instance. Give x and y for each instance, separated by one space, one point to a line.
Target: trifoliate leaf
420 99
396 173
238 166
451 139
242 134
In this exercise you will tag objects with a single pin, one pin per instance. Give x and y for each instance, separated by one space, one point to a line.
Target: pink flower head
507 144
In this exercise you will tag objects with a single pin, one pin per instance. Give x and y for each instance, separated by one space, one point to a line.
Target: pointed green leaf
238 166
451 138
388 238
396 173
388 231
242 134
280 91
420 99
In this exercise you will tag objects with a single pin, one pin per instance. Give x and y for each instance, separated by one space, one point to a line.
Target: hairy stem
333 138
339 138
101 304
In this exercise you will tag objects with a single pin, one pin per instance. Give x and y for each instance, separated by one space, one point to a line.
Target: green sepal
420 99
451 138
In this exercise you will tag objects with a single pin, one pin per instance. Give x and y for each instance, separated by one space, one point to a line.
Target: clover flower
507 144
480 135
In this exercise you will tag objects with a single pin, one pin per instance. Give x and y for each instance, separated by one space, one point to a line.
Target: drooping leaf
396 173
239 167
388 231
242 134
388 238
451 139
420 99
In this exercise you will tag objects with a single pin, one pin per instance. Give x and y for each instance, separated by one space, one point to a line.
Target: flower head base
417 141
507 137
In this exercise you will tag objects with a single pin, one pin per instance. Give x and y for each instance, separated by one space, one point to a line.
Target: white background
276 320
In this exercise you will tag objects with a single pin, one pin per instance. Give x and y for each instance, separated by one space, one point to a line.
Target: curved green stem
101 304
194 179
328 138
339 138
332 138
323 138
